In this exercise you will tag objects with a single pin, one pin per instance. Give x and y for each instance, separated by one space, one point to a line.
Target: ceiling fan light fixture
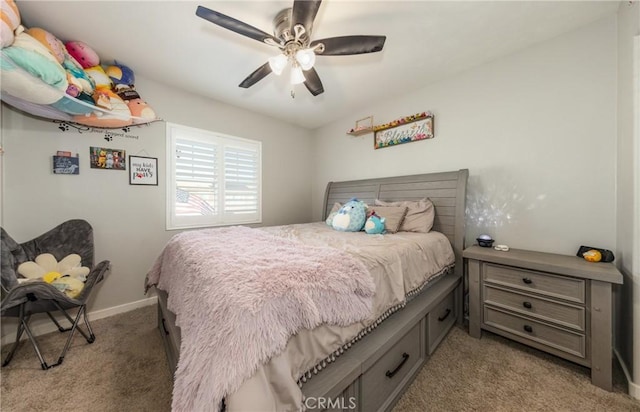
278 63
297 76
306 58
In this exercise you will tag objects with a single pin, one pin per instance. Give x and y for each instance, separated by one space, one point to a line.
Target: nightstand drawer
563 287
570 342
386 375
544 309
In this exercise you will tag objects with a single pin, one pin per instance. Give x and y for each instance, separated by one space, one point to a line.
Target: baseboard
634 389
47 326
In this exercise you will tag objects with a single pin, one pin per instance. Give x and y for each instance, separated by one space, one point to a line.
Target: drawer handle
164 327
528 328
527 281
390 374
446 315
527 305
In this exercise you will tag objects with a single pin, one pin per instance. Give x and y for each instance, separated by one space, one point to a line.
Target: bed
364 365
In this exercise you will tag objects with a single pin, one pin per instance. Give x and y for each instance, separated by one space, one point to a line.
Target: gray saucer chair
21 300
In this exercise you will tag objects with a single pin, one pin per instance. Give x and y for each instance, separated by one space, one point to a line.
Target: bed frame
375 372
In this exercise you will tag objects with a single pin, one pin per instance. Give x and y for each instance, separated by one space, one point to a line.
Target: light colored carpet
126 370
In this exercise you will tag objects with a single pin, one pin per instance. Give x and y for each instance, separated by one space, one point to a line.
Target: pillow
394 216
419 217
334 210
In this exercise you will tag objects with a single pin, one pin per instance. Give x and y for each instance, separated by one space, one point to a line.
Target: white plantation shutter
213 179
197 178
241 180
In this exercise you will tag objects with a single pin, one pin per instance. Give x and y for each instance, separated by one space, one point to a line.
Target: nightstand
556 303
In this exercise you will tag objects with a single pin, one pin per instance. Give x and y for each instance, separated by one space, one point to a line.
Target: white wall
627 196
535 129
129 221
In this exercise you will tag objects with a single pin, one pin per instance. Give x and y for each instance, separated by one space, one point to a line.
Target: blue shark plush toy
350 217
375 224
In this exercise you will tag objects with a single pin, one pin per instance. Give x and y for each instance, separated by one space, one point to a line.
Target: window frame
174 222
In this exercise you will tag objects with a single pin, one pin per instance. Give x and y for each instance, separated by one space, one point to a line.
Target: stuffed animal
116 160
350 217
121 75
68 275
49 41
45 263
102 159
78 81
374 224
112 111
123 84
9 22
109 164
83 54
42 79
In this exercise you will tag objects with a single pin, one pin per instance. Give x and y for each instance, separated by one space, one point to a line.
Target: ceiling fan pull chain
293 94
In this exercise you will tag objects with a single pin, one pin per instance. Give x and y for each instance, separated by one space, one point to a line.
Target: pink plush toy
83 54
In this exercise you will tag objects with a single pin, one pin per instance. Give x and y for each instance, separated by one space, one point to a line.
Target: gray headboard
447 191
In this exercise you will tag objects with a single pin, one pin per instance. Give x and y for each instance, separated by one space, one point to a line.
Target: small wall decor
407 129
108 134
64 164
143 170
104 158
363 126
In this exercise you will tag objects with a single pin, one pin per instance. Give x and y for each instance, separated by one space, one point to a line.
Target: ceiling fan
292 36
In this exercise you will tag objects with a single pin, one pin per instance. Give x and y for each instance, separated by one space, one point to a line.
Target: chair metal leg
74 326
54 320
74 323
19 333
34 343
88 325
23 326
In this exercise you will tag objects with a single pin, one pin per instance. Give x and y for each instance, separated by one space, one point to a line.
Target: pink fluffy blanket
240 293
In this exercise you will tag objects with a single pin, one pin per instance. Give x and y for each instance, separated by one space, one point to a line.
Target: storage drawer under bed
169 331
440 320
389 372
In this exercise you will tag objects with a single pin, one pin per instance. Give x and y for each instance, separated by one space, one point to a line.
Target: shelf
363 126
402 120
360 131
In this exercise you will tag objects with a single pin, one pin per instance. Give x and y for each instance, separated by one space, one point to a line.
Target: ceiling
426 41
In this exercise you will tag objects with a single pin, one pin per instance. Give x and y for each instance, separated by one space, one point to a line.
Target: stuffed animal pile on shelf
64 81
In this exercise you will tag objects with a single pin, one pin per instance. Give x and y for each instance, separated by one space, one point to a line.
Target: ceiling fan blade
304 12
346 45
312 81
234 25
256 76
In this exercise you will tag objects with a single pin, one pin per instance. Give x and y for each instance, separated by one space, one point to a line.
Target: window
212 179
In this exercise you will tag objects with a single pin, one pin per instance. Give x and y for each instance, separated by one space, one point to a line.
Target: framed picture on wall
143 170
405 130
108 159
